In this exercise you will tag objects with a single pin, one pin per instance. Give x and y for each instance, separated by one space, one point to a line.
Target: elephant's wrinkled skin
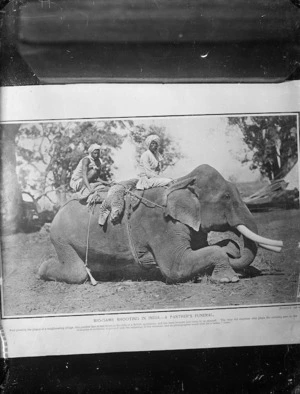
175 237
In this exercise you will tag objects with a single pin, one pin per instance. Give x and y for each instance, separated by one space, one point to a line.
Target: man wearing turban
151 165
87 173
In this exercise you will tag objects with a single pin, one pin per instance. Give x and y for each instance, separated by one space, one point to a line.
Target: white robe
76 182
150 169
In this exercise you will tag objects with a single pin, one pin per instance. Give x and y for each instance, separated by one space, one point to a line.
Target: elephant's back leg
69 268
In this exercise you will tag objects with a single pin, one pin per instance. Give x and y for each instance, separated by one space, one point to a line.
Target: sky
201 140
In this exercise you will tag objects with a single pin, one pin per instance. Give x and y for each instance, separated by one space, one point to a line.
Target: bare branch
30 195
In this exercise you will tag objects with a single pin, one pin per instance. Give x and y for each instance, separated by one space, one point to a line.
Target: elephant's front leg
192 263
182 255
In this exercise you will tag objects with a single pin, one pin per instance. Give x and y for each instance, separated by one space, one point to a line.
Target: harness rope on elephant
145 199
92 279
128 228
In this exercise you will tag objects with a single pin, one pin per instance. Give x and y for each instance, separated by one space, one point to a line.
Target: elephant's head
204 200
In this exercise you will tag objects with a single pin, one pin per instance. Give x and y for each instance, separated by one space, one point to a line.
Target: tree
11 198
272 140
167 147
53 150
39 158
48 153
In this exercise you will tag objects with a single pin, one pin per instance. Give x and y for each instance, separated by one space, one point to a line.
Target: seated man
151 164
86 175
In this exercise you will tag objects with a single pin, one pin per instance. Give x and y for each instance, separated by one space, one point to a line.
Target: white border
115 332
113 100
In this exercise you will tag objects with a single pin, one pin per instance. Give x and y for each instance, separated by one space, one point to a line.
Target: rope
87 240
129 233
128 227
93 281
145 199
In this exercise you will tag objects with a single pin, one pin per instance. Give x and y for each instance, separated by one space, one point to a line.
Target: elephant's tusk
269 247
257 238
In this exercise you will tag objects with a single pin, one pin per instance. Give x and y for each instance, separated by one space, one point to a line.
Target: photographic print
167 218
149 219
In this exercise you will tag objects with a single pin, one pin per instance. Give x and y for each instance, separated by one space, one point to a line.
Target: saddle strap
129 232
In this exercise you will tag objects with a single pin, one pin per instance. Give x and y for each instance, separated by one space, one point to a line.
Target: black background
266 369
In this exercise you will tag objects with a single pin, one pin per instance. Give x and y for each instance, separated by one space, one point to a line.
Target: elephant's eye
227 196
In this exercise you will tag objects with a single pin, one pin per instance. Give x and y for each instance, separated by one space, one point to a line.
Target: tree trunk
11 197
61 196
63 182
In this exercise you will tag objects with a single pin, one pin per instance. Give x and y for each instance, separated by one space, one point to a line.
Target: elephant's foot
52 270
224 274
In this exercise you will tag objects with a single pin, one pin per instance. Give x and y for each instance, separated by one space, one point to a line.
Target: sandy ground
274 280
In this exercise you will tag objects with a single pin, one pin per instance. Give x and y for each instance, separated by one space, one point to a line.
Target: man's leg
92 175
155 182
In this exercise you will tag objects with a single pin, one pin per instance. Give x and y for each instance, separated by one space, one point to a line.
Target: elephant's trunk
241 251
247 255
249 249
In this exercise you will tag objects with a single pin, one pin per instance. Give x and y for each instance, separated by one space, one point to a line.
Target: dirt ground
274 280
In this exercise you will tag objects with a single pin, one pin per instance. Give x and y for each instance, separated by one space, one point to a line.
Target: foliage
272 140
47 153
167 147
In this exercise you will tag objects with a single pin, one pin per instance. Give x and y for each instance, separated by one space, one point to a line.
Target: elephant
168 229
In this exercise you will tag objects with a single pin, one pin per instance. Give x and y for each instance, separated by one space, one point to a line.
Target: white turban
151 138
93 147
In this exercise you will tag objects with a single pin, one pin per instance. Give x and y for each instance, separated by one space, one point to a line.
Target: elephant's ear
183 205
181 183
